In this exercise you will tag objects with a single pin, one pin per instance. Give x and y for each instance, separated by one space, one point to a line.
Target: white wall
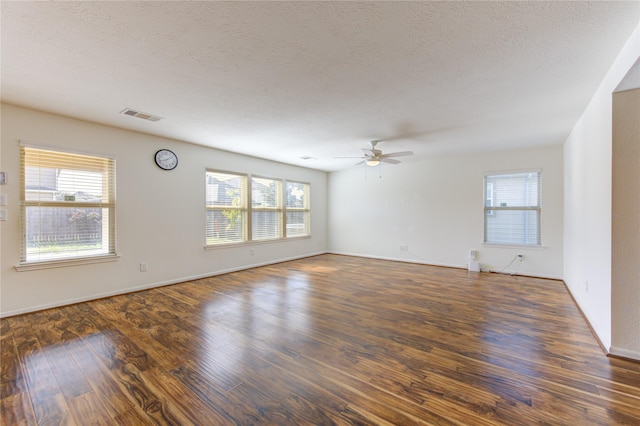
435 208
160 214
587 216
625 241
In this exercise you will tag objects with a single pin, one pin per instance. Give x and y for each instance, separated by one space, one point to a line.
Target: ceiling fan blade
398 154
375 155
389 160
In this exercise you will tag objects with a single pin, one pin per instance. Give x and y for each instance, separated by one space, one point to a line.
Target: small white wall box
474 266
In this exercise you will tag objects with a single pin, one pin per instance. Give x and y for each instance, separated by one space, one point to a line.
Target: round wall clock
166 159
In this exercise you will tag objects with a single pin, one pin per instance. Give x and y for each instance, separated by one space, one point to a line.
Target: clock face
166 159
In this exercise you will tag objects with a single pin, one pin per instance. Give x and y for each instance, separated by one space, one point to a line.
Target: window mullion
283 213
249 201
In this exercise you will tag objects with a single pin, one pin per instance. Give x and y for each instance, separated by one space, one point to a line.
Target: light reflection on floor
279 311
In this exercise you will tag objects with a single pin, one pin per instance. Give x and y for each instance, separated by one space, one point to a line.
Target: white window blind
67 205
266 208
297 209
226 208
512 208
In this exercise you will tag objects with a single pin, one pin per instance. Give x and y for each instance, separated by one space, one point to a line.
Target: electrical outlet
252 252
586 286
144 266
404 247
521 257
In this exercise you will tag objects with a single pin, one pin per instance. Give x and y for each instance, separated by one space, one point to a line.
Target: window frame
490 212
280 209
106 164
243 208
306 209
277 209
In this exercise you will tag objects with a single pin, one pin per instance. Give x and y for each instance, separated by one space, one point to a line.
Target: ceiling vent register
140 114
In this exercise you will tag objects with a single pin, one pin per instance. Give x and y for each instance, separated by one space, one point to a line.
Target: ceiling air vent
140 114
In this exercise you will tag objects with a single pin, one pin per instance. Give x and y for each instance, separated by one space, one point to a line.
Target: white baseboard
625 353
446 265
399 259
605 343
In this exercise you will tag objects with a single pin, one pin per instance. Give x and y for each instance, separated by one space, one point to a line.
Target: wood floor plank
227 404
357 416
87 409
330 339
53 411
358 392
295 410
302 386
103 383
212 396
117 363
40 381
12 380
71 380
187 409
132 418
155 406
16 409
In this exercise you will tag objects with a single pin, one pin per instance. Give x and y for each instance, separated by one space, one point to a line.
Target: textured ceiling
284 80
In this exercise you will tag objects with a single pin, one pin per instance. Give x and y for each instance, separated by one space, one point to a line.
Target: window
226 208
512 209
297 209
67 205
266 209
270 209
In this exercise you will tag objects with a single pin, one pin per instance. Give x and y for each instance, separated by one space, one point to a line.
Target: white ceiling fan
373 156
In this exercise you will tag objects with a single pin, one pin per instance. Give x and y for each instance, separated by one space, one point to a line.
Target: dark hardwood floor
319 341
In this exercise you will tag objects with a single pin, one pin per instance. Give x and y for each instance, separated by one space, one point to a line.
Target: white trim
529 274
445 265
513 171
61 263
626 353
400 259
589 318
65 150
254 242
514 246
149 286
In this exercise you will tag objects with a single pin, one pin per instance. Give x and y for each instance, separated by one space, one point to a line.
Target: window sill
514 246
254 242
62 263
